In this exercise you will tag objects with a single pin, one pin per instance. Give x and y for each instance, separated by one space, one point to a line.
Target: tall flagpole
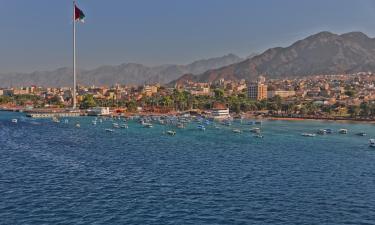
74 57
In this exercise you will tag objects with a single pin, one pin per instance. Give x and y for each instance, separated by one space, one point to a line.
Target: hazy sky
36 34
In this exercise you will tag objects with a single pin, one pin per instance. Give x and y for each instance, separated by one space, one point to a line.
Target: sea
56 173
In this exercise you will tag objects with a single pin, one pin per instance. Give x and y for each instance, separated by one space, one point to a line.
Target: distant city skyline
36 35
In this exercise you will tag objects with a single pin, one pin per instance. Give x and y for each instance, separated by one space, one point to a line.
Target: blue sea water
59 174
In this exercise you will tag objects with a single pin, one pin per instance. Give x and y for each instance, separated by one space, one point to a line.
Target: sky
37 34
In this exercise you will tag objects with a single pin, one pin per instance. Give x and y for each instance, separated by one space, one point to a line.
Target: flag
78 14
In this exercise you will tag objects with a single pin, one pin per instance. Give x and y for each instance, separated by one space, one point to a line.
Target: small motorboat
372 143
78 125
201 127
361 134
322 132
171 132
115 125
237 131
328 131
55 119
147 125
14 120
343 131
124 126
255 130
308 135
258 136
109 130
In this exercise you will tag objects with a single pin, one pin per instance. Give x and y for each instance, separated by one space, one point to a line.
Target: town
346 96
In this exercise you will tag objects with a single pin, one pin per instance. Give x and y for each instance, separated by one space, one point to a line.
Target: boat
180 126
93 122
55 119
115 125
322 132
343 131
237 131
308 135
109 130
14 120
361 134
125 126
171 133
78 125
372 143
328 131
258 136
147 125
255 130
201 127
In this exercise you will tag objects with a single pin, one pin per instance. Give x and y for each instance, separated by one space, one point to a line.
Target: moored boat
361 134
308 135
372 143
343 131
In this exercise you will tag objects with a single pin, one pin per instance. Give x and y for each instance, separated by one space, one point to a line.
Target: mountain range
322 53
127 73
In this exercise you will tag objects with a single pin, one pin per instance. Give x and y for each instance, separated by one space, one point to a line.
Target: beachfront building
257 91
281 93
98 111
220 111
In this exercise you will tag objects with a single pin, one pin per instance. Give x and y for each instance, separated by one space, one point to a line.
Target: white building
98 111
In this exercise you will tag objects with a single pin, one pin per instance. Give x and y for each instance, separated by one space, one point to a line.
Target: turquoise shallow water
58 174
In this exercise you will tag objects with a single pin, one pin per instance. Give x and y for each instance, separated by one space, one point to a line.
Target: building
220 111
98 111
257 91
281 93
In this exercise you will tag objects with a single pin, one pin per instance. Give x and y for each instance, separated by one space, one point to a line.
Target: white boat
237 131
14 120
201 127
322 132
361 134
147 125
55 119
343 131
125 126
78 125
115 125
94 122
171 133
372 143
308 135
255 130
109 130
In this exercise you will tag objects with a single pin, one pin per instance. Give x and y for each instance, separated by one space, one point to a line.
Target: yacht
308 135
343 131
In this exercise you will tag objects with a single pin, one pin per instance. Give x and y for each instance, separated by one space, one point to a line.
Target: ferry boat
343 131
308 135
372 143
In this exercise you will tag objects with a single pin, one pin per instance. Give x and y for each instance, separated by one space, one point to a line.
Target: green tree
88 102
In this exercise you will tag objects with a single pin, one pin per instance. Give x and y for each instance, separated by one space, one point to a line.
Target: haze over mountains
127 73
322 53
